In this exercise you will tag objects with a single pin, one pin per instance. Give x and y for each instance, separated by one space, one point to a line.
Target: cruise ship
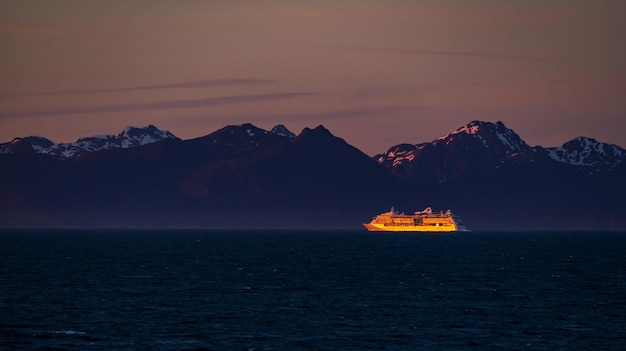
424 221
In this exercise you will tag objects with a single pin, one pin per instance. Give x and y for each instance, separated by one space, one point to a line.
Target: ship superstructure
424 221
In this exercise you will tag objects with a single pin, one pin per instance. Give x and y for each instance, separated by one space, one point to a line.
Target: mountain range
484 145
244 176
128 138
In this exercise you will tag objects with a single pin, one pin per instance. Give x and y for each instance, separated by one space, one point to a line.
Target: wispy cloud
333 115
166 105
207 83
468 54
372 93
355 113
30 29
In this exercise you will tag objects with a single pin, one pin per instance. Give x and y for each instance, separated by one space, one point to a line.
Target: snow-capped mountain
281 130
243 137
399 154
132 136
485 145
484 139
30 144
496 136
583 151
128 138
477 145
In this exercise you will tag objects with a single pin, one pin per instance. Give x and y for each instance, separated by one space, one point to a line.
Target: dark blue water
311 290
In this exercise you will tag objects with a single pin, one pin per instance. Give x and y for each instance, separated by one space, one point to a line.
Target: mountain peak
281 130
473 146
585 151
129 137
17 146
319 131
485 145
237 139
134 136
476 127
583 140
29 144
145 133
492 135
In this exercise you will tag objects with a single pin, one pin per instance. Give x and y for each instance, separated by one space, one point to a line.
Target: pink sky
376 73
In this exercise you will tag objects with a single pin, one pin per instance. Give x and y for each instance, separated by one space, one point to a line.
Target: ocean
311 290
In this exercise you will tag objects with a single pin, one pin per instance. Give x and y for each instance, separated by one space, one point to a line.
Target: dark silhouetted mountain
235 140
313 180
143 185
244 176
239 176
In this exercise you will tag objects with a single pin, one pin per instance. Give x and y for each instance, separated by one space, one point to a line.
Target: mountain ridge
580 150
493 145
128 138
244 176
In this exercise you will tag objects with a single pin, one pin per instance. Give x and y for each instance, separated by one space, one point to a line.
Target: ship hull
377 227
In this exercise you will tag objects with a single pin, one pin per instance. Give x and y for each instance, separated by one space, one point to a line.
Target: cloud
165 105
468 54
208 83
355 113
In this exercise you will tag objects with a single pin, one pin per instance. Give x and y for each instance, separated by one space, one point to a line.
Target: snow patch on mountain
494 144
132 136
511 140
482 137
27 144
490 134
398 155
129 137
471 128
584 151
281 130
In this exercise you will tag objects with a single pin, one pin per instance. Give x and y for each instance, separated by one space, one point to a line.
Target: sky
375 73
